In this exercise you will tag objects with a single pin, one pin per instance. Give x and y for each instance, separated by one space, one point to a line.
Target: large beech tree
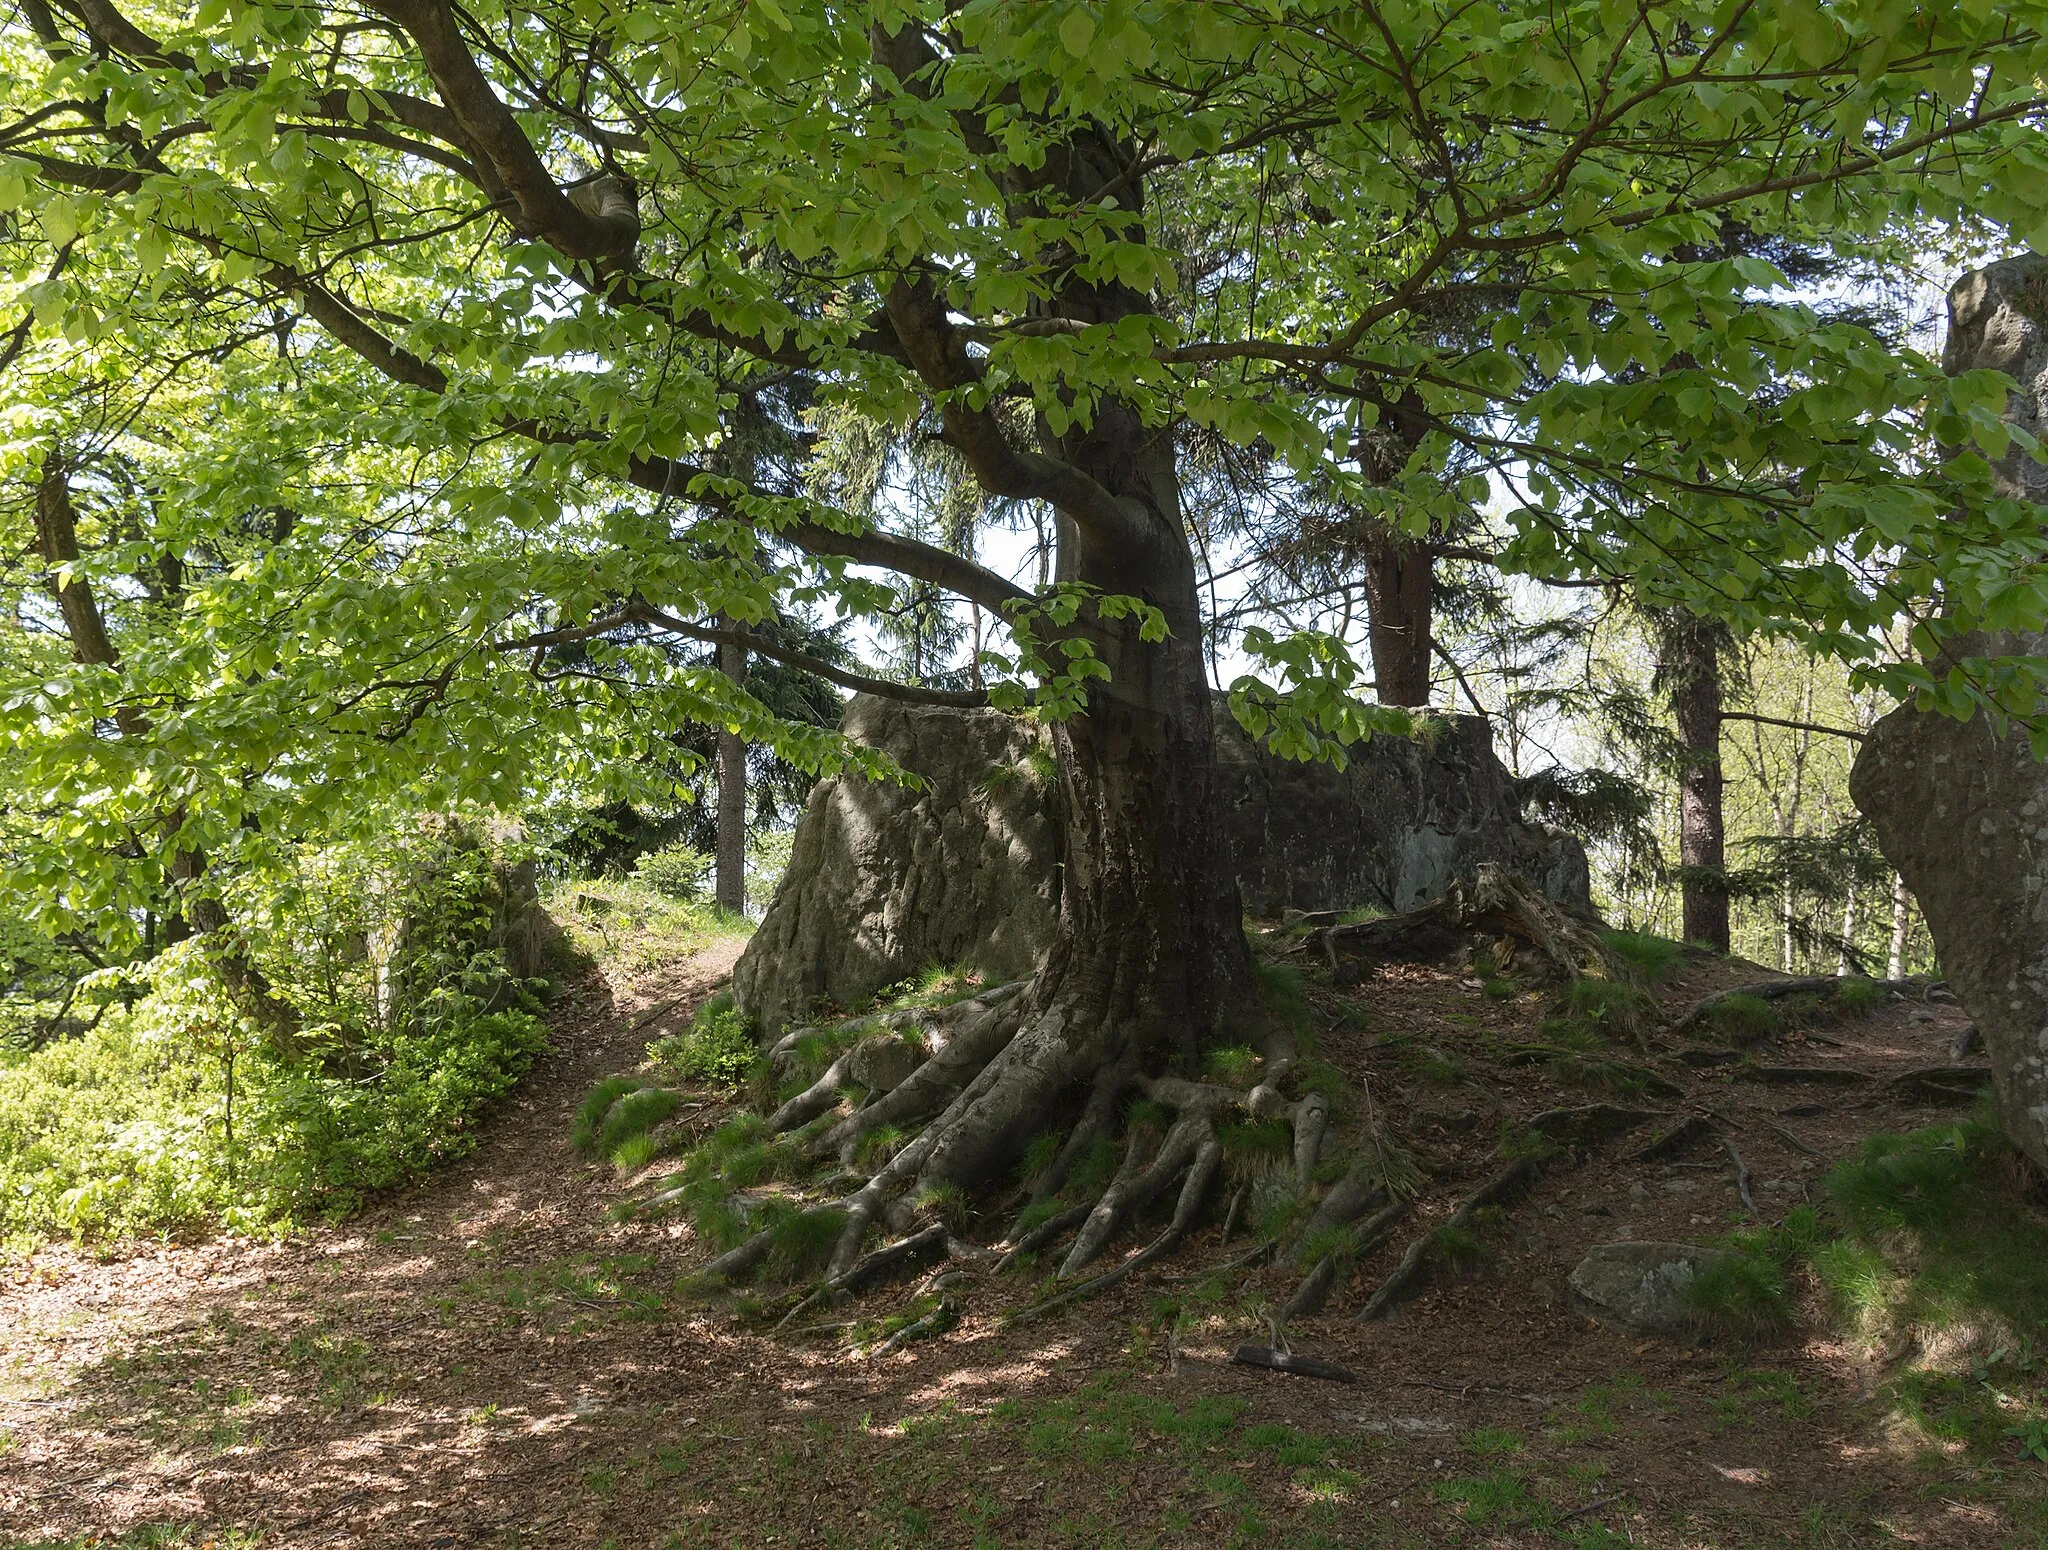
483 289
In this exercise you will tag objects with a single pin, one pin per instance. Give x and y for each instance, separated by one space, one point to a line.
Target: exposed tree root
1942 1084
1201 1173
928 1241
1836 1076
1624 1072
1741 1174
929 1324
1045 1232
1582 1128
1825 985
1675 1140
1412 1273
1314 1291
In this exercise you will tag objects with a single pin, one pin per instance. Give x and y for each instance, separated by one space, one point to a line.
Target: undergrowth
176 1111
1933 1244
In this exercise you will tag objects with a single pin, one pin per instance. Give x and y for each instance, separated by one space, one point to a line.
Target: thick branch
938 353
543 208
640 613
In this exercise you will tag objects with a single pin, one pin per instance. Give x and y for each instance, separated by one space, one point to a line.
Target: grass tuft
1234 1065
635 1152
802 1241
1742 1295
591 1112
1284 991
1651 959
635 1113
1741 1019
1039 1156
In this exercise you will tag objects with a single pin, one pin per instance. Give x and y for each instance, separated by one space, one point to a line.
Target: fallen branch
1292 1362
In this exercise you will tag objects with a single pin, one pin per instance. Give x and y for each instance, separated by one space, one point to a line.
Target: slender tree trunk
1691 670
1902 922
1789 825
1400 594
1848 931
92 644
730 865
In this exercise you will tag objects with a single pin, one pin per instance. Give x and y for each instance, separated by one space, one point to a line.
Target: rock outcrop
884 880
1959 809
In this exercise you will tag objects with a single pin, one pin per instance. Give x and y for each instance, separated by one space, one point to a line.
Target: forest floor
487 1359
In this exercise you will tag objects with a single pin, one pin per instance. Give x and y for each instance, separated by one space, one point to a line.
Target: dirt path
489 1360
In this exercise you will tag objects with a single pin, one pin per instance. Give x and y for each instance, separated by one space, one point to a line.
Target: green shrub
677 872
1857 994
719 1048
141 1126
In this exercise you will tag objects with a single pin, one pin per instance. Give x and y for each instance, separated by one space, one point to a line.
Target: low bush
156 1123
678 872
718 1048
175 1108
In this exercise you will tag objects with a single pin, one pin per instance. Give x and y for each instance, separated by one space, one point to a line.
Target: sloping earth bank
487 1360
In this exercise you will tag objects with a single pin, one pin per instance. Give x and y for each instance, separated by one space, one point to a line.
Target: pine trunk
1399 591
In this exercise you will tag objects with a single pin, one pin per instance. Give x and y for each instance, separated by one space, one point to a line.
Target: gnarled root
1412 1273
1315 1289
1201 1174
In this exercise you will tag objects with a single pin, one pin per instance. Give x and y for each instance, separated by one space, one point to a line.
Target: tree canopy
386 352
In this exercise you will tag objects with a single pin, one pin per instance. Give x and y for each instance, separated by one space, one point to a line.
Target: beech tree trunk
1400 592
1690 666
729 888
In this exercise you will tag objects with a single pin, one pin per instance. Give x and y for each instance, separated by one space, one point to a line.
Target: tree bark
1690 666
1400 595
1961 807
730 864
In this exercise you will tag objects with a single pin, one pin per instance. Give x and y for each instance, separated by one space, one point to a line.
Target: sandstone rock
1961 811
884 880
1640 1287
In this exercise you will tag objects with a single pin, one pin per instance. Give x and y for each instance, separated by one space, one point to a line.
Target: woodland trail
486 1359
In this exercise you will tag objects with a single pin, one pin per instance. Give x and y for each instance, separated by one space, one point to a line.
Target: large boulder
1640 1287
1960 809
884 880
